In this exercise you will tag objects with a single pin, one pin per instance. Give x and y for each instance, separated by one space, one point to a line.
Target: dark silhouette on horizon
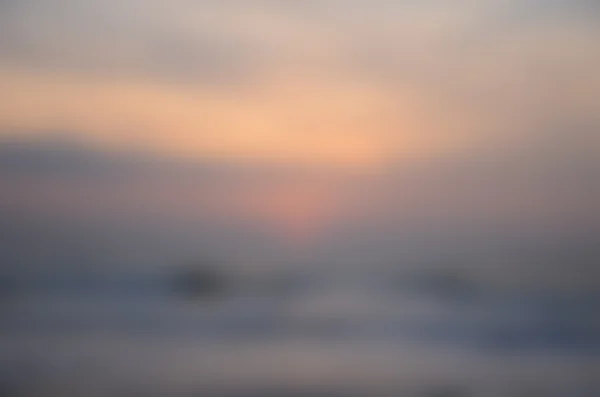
200 280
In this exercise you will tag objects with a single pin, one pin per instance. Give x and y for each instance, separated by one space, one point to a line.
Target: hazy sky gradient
322 82
329 121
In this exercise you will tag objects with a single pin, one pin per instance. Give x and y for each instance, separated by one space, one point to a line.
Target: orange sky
316 120
358 89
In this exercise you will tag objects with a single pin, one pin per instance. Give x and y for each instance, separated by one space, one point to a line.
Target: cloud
324 82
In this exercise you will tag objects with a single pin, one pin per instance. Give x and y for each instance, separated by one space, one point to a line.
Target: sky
338 130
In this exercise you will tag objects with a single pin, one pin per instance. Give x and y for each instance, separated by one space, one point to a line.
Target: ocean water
134 335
